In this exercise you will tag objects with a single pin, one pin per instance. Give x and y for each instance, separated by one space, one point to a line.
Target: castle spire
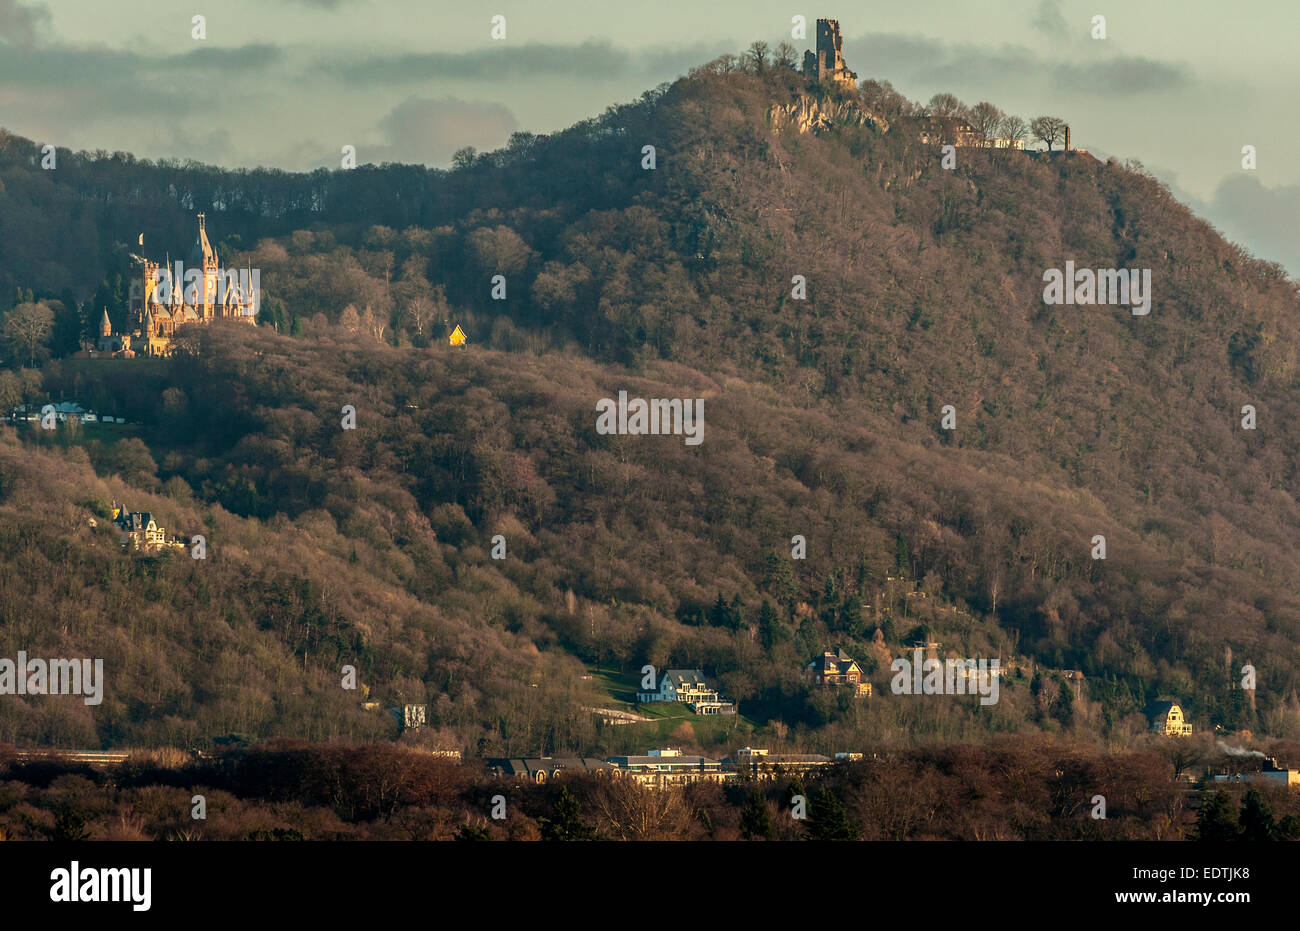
178 287
105 325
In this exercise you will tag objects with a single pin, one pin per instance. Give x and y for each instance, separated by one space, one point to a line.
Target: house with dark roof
834 669
690 687
1166 717
139 530
544 768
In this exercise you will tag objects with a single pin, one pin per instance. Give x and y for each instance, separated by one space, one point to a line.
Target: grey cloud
429 132
591 59
71 66
1049 20
172 141
254 55
21 25
301 154
1122 75
929 62
102 82
1260 217
1245 211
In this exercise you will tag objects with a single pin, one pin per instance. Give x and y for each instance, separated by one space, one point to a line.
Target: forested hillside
822 419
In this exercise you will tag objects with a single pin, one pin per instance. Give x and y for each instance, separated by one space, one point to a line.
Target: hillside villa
1166 717
834 669
690 687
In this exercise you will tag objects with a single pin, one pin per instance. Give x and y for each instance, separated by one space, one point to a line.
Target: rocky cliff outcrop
814 114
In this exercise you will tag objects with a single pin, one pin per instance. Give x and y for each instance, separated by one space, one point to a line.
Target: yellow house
1166 717
457 337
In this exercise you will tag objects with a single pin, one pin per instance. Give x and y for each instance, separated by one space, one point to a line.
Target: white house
690 687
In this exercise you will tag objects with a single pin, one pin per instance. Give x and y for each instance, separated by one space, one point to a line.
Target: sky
1179 85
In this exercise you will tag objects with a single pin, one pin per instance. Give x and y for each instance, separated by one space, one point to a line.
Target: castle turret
171 296
105 325
827 63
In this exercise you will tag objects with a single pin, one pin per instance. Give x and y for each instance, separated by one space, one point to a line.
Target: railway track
90 757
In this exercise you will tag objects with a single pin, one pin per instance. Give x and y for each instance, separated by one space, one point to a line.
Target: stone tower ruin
826 65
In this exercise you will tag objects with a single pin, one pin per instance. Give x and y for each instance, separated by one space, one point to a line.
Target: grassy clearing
667 717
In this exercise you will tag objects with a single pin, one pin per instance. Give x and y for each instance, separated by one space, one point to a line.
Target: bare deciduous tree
1049 129
945 106
637 812
27 329
499 249
373 324
985 117
419 312
1013 128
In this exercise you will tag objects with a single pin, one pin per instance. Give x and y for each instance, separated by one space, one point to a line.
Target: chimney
1067 138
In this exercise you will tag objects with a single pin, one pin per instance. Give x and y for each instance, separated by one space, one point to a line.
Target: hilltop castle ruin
826 65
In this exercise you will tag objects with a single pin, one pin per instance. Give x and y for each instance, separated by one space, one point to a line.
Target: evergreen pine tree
902 557
567 823
756 817
69 825
473 832
851 620
864 574
1256 818
1216 820
719 616
770 631
827 819
735 614
1065 705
